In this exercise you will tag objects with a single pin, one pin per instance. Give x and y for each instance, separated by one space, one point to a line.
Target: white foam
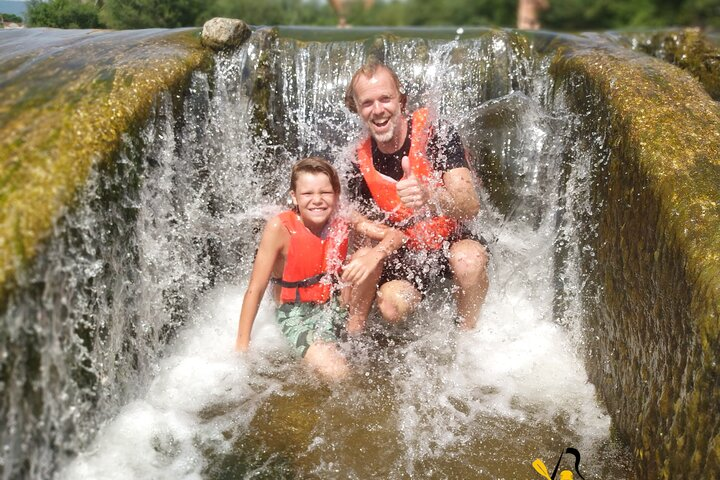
157 436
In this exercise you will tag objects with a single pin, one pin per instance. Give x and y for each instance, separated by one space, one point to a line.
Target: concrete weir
653 310
62 113
652 296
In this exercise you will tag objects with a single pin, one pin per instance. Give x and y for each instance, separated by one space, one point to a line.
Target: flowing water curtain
123 271
77 337
532 128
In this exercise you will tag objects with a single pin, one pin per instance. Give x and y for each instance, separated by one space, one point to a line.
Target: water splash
432 402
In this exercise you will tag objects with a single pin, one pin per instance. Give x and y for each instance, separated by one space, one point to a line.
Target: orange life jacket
426 233
311 261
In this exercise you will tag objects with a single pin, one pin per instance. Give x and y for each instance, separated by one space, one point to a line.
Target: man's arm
457 197
389 240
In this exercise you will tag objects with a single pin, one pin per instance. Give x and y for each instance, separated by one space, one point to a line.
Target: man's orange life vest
426 233
311 261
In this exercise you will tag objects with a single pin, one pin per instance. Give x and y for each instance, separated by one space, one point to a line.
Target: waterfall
127 369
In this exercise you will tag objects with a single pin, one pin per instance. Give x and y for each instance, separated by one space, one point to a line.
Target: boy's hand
242 345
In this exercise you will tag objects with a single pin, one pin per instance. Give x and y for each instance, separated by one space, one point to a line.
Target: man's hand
360 267
412 193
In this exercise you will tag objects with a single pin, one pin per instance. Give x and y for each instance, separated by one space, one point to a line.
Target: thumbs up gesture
412 193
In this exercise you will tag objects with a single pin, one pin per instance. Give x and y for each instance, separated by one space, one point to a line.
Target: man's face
378 104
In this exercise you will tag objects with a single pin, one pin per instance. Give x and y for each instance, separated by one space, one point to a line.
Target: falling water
142 288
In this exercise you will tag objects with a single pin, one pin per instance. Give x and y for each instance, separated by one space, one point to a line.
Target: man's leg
468 260
326 359
397 299
359 298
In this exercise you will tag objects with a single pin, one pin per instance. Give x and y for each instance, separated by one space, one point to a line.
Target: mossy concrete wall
691 49
65 106
654 353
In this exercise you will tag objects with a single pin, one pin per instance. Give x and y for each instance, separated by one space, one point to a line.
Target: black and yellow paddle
540 467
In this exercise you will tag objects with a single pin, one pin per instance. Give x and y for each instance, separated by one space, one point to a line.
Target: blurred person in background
340 6
528 13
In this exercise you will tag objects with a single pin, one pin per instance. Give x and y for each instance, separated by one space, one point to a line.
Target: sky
16 7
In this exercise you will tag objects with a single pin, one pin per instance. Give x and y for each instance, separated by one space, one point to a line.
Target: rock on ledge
224 33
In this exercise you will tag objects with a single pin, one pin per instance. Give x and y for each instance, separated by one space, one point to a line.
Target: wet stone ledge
69 97
689 49
654 303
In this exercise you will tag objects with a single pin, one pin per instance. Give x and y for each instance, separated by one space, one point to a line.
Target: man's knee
468 260
396 300
326 359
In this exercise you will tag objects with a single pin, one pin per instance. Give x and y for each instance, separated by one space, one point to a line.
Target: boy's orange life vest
426 233
311 261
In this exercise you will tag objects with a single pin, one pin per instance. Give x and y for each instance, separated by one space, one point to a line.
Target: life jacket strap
306 282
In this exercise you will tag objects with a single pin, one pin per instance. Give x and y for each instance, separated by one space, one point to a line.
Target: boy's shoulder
280 223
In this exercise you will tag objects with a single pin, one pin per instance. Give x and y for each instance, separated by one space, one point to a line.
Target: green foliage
9 17
462 12
563 15
128 14
273 12
616 14
700 12
62 14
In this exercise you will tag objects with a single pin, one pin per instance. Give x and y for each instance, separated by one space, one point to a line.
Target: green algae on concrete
655 308
690 49
67 101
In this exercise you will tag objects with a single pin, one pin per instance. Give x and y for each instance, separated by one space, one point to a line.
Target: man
417 179
528 13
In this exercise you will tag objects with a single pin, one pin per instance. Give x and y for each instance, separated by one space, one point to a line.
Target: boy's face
315 199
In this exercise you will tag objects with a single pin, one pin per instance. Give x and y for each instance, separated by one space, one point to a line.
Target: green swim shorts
306 323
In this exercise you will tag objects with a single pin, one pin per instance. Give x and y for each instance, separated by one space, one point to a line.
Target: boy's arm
271 244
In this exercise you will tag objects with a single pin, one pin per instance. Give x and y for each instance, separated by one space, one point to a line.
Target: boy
303 250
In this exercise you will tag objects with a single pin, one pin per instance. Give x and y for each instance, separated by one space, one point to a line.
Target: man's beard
387 136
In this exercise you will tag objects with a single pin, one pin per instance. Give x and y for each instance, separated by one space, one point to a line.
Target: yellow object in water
540 468
566 475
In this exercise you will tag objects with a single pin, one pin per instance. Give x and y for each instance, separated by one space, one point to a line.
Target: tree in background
617 14
563 15
704 13
62 14
9 17
129 14
273 12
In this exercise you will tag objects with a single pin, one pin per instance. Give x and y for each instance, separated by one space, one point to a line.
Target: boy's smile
315 199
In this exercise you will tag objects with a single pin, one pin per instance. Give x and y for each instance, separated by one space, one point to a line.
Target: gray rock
224 33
